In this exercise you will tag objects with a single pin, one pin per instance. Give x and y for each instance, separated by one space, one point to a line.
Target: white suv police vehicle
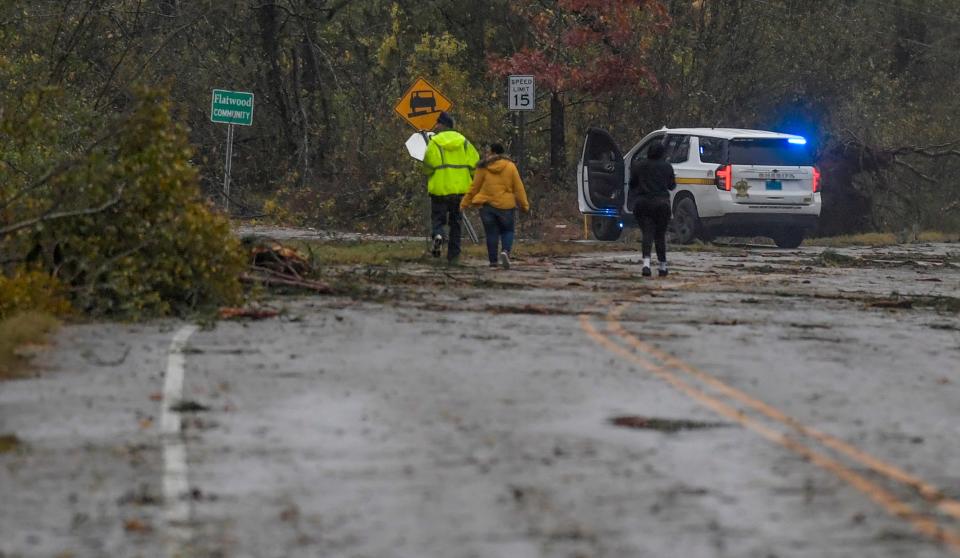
729 183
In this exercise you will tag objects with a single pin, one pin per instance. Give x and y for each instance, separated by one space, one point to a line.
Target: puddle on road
663 425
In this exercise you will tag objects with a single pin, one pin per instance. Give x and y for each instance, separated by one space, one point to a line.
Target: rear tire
605 228
686 221
788 238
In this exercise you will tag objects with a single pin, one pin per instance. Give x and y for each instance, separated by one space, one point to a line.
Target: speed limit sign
521 94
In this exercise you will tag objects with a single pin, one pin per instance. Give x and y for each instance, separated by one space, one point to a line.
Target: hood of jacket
495 164
449 140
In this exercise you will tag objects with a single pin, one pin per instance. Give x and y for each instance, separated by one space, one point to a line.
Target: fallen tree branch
914 170
930 151
250 313
9 229
56 170
281 281
274 273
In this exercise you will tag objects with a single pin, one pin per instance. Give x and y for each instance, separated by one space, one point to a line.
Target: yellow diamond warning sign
421 105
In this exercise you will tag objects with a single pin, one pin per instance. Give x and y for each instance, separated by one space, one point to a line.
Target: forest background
105 115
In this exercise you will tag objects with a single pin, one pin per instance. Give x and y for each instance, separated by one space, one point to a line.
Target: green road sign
232 107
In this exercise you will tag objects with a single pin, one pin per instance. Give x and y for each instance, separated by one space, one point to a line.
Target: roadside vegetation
386 253
101 213
383 271
17 334
110 211
882 239
111 171
863 80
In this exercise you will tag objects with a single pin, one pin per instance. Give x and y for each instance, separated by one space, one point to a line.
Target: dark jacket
651 179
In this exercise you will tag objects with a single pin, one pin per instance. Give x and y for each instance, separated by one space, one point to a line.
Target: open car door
600 175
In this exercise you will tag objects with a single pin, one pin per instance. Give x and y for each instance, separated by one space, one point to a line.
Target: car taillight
816 179
724 178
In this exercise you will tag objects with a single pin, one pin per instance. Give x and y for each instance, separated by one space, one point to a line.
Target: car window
711 150
641 153
606 156
769 152
601 148
678 149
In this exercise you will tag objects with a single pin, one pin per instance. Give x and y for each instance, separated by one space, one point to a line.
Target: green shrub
34 291
19 330
119 219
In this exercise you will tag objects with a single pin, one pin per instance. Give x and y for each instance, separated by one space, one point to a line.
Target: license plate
774 185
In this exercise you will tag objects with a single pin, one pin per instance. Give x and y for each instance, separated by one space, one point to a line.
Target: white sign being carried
417 144
521 94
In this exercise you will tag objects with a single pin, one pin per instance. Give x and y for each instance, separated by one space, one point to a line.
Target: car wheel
605 228
686 221
788 238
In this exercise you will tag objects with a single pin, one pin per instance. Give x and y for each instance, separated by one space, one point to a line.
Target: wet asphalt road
756 403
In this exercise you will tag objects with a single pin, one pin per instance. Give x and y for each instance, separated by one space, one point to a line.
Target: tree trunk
845 210
558 146
270 43
315 86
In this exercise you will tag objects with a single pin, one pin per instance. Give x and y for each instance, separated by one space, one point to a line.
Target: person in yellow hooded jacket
449 162
497 190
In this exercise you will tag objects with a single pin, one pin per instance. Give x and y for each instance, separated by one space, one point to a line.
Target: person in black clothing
651 181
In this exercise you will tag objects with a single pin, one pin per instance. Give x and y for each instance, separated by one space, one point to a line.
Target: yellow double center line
803 439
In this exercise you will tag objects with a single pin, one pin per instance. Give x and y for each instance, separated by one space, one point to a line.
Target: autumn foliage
591 46
863 80
587 45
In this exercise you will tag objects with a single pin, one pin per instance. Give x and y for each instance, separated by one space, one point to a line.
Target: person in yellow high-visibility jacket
449 162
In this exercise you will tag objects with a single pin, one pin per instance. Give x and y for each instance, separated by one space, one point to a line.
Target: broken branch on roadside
281 281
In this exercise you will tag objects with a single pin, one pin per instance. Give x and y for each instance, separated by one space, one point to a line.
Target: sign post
227 168
521 97
421 105
231 108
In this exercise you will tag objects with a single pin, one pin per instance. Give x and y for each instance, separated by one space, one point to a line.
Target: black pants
445 210
653 216
498 225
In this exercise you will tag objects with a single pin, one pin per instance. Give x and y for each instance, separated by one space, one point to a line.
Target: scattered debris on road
187 406
141 496
9 442
276 265
663 425
283 259
903 304
248 313
137 526
530 309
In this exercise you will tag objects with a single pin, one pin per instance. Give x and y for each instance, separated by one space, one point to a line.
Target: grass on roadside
9 443
386 253
18 331
881 239
383 253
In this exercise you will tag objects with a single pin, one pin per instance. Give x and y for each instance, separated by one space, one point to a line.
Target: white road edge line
176 486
